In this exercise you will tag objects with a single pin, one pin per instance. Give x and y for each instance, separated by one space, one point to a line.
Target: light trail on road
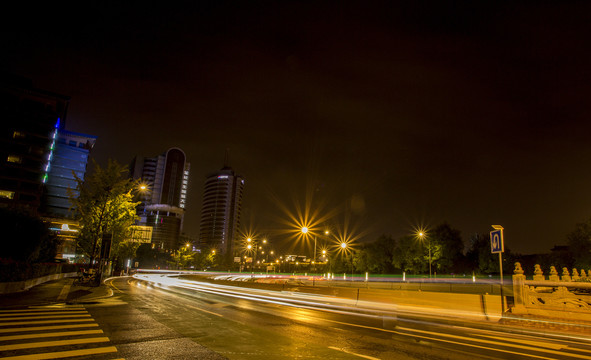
385 319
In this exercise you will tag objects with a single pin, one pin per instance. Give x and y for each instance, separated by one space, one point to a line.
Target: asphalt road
167 318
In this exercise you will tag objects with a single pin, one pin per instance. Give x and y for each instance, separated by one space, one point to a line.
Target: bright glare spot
343 245
304 230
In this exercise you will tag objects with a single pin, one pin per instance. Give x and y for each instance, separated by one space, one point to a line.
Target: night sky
386 116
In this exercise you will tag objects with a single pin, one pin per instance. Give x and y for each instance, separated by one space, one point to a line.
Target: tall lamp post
313 257
422 235
344 249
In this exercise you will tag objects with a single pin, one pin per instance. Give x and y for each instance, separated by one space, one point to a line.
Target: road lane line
38 322
561 353
113 285
53 343
529 342
476 346
44 317
578 349
499 342
40 309
58 306
44 313
64 354
64 293
352 353
52 334
42 328
205 311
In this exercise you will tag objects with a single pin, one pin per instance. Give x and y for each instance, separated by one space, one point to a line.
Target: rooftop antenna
227 158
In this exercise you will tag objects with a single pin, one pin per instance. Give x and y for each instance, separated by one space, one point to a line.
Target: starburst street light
421 235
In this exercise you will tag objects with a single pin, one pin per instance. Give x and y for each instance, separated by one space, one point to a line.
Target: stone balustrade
566 296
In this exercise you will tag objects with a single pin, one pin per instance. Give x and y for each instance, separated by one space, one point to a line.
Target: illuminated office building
70 156
163 204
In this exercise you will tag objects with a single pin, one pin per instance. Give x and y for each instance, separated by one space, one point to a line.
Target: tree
479 255
105 206
480 258
376 257
449 247
579 244
182 258
410 255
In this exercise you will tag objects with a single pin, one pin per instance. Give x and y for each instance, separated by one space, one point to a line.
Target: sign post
497 245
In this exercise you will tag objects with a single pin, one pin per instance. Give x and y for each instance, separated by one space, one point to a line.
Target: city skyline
391 115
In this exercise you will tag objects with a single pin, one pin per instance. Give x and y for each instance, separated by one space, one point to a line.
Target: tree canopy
104 206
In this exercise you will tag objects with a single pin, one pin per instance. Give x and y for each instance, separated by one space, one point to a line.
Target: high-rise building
220 213
38 156
32 119
163 204
70 156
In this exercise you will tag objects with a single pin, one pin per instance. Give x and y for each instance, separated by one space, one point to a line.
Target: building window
73 143
5 194
14 159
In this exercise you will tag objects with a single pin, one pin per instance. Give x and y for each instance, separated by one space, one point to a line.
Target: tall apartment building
32 119
220 213
163 204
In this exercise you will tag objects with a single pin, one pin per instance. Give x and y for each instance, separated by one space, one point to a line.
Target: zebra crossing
52 332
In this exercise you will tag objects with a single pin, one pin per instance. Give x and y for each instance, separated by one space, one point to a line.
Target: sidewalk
53 292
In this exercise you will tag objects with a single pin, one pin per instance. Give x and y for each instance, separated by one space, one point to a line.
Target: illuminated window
5 194
14 159
18 135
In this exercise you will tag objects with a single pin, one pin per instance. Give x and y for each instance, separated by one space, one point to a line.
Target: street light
305 231
422 235
345 250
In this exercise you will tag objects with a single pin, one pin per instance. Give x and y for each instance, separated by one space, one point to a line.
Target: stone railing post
519 293
565 274
538 273
553 274
575 276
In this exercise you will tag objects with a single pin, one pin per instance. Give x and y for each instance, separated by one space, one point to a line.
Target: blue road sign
496 241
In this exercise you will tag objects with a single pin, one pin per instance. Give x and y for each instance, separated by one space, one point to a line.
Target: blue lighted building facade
69 158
